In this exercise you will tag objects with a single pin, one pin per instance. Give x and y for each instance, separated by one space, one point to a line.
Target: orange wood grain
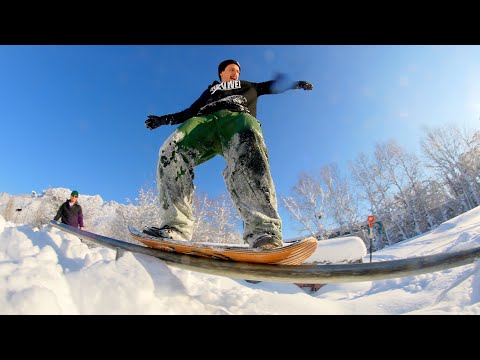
290 254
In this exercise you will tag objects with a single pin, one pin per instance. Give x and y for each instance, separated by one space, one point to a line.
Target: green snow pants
238 138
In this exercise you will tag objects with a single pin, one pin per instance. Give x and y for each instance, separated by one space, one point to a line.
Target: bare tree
309 206
470 166
453 156
345 204
402 171
368 176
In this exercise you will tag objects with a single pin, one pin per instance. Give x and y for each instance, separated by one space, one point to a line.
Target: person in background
222 121
71 212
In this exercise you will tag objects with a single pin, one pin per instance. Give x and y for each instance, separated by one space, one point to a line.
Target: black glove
154 121
305 85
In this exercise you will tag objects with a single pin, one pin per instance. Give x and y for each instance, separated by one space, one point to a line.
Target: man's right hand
154 121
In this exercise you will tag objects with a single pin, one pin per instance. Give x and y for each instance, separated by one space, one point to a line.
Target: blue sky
73 115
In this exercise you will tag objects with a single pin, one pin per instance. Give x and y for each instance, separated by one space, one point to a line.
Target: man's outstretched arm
281 84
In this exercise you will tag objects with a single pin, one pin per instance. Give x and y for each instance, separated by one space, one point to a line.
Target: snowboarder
222 121
71 212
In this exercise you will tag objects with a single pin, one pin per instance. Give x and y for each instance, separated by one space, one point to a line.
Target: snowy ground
47 271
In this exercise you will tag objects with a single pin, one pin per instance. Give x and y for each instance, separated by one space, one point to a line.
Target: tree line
407 194
215 217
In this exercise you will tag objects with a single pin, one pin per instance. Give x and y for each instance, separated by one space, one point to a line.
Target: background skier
71 212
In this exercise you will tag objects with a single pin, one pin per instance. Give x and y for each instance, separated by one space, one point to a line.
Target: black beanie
225 63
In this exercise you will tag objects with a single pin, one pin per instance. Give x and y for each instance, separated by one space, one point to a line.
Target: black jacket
235 95
71 215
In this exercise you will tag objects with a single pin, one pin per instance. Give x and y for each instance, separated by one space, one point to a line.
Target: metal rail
307 273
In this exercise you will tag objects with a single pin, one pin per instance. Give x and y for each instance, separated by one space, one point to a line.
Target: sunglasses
75 196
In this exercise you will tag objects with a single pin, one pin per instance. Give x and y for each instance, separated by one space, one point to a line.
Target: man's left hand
305 85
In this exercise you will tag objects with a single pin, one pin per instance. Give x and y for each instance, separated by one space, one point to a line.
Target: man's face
231 72
73 198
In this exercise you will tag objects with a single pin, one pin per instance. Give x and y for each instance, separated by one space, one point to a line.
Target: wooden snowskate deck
290 254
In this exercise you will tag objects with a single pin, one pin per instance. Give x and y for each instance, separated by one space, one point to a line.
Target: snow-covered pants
238 138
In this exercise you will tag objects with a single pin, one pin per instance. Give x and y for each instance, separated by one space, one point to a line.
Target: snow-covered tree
454 156
224 220
216 219
50 201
